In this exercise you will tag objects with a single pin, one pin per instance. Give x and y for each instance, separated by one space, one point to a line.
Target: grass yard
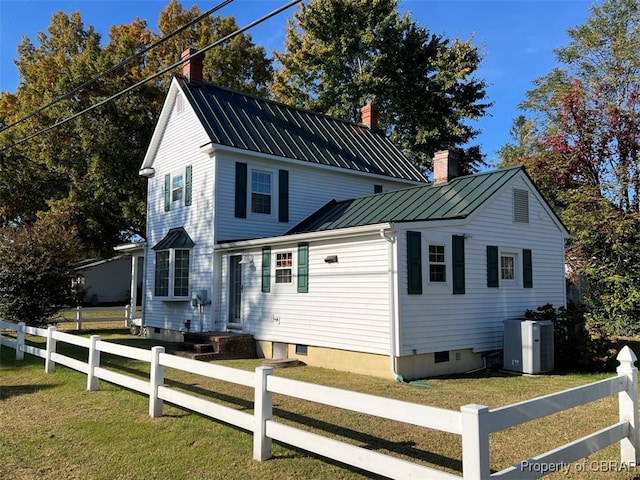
52 428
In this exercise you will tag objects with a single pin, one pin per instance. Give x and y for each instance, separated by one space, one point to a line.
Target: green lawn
52 428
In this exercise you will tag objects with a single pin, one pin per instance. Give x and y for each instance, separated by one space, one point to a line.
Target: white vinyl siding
310 187
346 306
431 323
179 148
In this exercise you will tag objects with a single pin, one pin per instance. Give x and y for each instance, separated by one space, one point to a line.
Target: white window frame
273 205
437 287
285 286
171 296
437 262
515 255
178 191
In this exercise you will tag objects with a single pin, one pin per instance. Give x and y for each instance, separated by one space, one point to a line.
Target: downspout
391 239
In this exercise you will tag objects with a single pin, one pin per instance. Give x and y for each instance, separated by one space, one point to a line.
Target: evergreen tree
341 54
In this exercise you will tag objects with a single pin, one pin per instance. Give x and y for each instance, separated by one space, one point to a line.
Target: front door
235 291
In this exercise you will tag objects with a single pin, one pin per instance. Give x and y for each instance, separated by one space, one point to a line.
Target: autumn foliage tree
86 170
580 141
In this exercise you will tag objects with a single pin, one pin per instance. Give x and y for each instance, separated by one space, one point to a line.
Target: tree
86 170
236 63
36 270
580 141
341 54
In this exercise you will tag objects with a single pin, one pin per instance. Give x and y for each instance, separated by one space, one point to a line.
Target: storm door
235 291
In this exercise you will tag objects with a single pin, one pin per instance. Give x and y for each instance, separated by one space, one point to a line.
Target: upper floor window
177 189
261 192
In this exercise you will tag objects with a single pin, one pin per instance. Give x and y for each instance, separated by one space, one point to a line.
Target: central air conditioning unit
528 345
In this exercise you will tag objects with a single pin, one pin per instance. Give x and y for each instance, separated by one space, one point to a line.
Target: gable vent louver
520 206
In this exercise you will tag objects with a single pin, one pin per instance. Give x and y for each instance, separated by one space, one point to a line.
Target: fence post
94 362
127 316
156 379
49 364
475 442
628 406
20 341
262 412
78 317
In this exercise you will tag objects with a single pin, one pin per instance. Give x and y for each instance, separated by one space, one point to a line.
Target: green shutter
283 196
527 269
266 269
241 190
187 186
458 264
492 266
167 193
303 267
414 263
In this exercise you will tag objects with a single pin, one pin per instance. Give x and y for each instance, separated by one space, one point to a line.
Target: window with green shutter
241 190
492 266
303 268
266 269
283 196
178 189
167 193
188 186
527 269
414 263
458 264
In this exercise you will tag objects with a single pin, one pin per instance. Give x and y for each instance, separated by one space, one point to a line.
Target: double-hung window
173 265
509 267
178 189
288 269
261 192
284 268
437 264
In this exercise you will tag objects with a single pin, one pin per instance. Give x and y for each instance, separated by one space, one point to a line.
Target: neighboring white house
319 238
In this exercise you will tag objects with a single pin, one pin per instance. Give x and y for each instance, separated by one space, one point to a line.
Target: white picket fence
80 317
473 422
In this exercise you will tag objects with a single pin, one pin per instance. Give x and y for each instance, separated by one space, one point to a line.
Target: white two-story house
319 238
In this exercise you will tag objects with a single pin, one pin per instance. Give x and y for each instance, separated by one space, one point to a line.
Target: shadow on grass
325 428
8 391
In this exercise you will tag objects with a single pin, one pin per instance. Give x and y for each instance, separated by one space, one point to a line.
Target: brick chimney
370 116
446 165
192 68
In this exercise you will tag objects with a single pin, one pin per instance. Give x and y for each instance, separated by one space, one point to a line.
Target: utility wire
120 64
156 75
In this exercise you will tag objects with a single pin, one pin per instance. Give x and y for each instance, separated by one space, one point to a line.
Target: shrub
36 268
578 345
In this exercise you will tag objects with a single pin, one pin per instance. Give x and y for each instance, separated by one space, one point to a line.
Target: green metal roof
455 199
246 122
175 238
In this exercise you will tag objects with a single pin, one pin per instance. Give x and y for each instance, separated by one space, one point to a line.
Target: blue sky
517 37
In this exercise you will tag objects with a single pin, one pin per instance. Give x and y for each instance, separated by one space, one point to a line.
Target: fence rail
473 423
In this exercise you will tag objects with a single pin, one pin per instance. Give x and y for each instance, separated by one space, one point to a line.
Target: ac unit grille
546 347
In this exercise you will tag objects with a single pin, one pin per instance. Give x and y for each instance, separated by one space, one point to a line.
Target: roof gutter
348 232
391 240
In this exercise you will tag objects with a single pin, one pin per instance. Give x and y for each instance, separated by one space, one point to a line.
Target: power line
120 64
156 75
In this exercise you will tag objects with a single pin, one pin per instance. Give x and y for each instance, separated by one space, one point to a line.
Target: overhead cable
156 75
119 65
